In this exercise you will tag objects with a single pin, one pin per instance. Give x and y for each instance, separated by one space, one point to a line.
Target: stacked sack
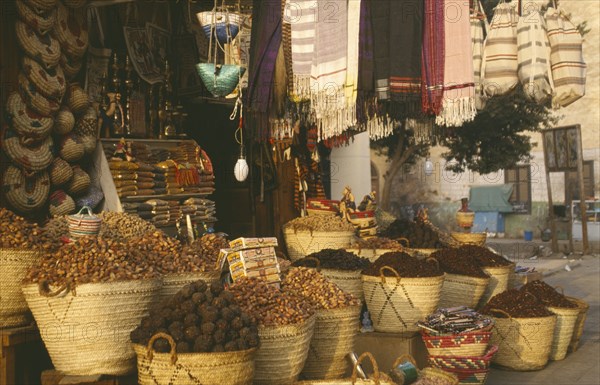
137 179
45 110
200 210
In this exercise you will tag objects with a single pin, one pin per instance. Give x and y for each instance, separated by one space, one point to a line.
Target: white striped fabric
566 58
499 63
301 15
534 57
477 40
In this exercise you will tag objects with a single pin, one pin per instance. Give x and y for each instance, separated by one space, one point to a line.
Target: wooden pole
550 203
582 203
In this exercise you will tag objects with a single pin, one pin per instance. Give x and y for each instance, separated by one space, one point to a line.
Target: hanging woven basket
40 6
74 3
41 22
29 158
34 99
226 25
26 122
64 121
80 182
61 172
77 99
71 67
71 148
25 193
71 32
51 82
89 144
42 48
61 204
87 125
220 80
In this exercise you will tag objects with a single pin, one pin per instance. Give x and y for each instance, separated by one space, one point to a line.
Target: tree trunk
400 157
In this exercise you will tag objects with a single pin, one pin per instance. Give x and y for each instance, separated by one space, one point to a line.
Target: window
572 182
520 178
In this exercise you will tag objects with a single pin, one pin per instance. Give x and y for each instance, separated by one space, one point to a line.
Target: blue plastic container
528 235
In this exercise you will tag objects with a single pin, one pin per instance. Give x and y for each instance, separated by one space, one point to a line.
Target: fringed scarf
329 68
433 57
351 91
458 105
300 15
478 28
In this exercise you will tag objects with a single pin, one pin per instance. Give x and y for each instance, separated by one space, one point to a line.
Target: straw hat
71 148
26 122
26 193
71 67
77 99
80 183
61 204
71 31
41 22
34 99
64 121
50 82
61 172
41 5
34 159
42 48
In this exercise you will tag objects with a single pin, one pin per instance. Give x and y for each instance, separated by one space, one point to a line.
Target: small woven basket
477 239
397 304
84 225
32 159
34 99
40 6
71 148
51 82
87 125
282 353
61 172
465 219
80 182
499 277
333 339
77 99
74 3
219 22
301 243
61 204
26 122
14 264
578 331
71 67
460 362
71 31
439 376
41 22
44 49
64 122
25 194
466 344
99 316
459 290
228 368
220 80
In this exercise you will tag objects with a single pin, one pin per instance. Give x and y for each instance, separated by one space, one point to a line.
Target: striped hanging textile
351 91
433 57
458 104
478 29
301 18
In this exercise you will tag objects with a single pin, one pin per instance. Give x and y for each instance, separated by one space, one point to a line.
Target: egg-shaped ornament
240 169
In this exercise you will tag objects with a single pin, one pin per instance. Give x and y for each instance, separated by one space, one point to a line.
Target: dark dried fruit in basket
404 265
339 259
17 233
517 304
457 261
419 234
198 326
483 256
547 295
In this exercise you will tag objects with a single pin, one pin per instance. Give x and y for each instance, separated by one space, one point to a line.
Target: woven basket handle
400 240
375 368
384 268
172 344
533 296
431 259
404 358
44 289
315 260
86 208
491 351
501 312
562 290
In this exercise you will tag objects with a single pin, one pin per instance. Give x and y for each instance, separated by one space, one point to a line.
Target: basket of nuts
336 325
285 327
314 233
99 292
18 252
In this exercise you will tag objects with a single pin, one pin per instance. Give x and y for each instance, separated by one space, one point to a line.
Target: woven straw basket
34 98
80 182
41 22
64 121
229 368
466 344
376 378
477 239
87 127
172 283
566 318
71 31
347 280
61 172
77 99
25 194
499 277
40 6
523 343
71 67
44 49
465 219
461 290
396 304
71 148
51 82
86 330
282 353
26 122
13 268
31 159
583 309
89 144
469 370
333 339
74 3
61 204
301 243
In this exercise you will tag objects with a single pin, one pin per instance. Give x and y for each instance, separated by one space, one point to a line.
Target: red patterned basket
466 345
470 377
464 363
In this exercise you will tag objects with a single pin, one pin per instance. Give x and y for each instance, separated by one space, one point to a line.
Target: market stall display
401 290
336 325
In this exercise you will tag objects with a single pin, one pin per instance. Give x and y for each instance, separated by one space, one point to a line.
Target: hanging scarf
478 28
458 105
300 15
433 57
354 11
366 73
329 68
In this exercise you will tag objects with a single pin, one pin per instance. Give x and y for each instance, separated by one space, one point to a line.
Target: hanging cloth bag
534 56
499 63
566 58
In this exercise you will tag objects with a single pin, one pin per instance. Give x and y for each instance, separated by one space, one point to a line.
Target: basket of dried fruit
401 290
373 248
336 325
314 233
19 250
199 336
340 267
566 312
477 239
97 291
285 328
421 237
583 309
523 330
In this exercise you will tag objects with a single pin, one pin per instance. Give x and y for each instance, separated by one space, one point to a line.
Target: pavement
579 275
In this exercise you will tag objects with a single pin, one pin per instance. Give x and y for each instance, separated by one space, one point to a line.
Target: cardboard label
249 243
